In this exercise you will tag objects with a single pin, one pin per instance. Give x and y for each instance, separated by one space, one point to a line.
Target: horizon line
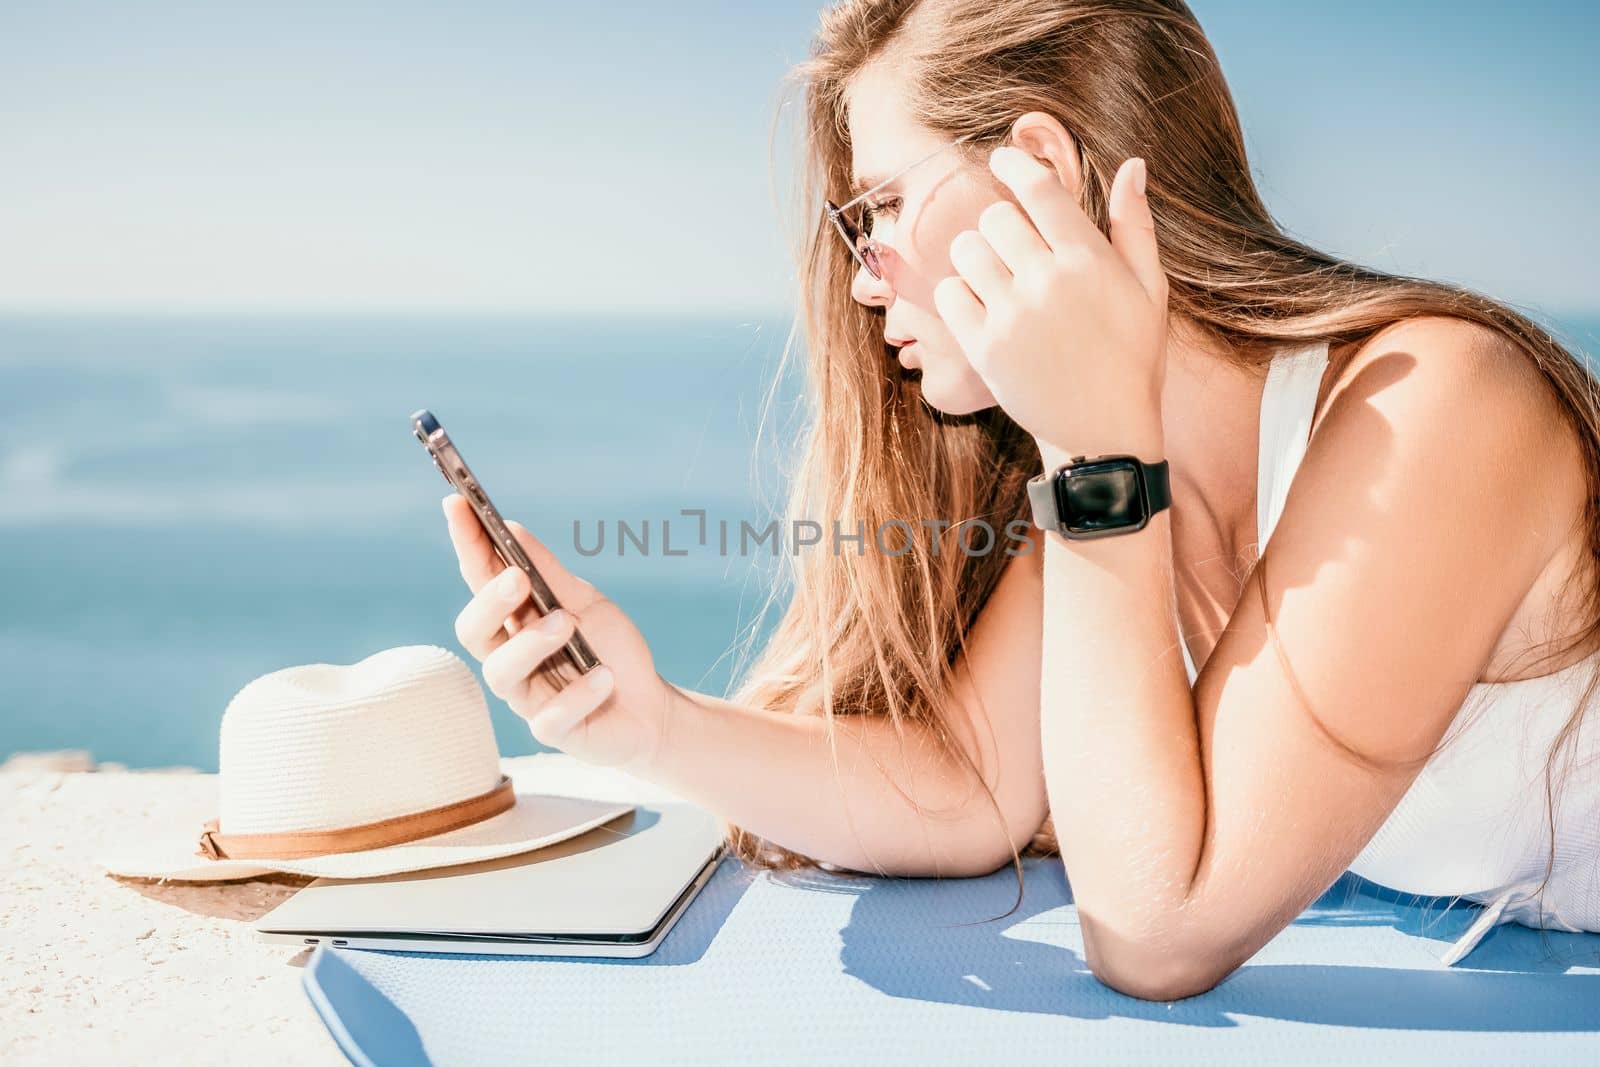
385 311
446 311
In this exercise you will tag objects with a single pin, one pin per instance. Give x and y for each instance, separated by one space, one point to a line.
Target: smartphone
576 657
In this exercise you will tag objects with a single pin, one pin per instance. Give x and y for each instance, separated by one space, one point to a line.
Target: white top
1473 824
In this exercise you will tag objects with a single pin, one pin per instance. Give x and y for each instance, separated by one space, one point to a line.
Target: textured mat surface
804 968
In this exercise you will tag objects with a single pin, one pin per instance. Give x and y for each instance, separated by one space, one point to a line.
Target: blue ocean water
189 503
192 502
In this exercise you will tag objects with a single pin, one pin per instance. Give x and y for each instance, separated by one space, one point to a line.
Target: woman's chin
955 394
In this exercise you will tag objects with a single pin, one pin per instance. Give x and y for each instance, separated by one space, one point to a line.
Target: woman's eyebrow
864 183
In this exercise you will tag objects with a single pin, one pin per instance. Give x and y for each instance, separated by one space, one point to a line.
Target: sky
534 157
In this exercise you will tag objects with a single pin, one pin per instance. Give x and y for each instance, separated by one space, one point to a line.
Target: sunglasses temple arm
902 172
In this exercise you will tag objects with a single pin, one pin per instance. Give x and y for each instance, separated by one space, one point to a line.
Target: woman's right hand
615 715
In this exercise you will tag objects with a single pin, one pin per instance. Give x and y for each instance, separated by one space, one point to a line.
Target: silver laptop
614 890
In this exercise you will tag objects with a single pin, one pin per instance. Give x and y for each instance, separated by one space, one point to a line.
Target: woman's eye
881 209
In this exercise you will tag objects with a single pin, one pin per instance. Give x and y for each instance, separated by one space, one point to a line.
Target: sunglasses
850 219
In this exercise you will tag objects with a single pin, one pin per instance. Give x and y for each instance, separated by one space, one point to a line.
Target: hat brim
536 820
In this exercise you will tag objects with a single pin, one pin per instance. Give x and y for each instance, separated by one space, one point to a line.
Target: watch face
1101 496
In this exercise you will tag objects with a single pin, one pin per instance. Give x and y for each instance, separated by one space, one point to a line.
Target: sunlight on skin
917 256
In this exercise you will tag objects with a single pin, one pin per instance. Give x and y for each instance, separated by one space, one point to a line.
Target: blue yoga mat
813 967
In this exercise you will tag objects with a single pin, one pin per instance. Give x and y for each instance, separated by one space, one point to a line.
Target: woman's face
914 220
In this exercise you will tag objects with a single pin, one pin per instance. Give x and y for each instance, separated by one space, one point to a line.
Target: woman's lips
904 353
902 346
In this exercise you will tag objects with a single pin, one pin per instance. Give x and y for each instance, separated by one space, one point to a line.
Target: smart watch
1099 496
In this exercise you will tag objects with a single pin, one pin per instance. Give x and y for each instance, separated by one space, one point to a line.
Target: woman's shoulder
1449 344
1462 373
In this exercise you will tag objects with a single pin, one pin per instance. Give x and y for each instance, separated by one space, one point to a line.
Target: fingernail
553 623
1140 173
599 679
509 585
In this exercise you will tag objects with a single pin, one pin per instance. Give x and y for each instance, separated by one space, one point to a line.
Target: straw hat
360 770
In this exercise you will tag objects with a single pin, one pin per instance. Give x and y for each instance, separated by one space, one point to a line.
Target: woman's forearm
776 776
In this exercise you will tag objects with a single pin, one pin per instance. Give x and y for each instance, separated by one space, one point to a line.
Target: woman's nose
870 291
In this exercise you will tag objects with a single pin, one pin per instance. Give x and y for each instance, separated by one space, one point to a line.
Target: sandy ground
98 969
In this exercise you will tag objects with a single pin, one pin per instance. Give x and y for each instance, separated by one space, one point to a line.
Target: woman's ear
1044 138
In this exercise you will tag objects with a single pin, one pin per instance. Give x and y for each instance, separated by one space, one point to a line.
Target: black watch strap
1157 486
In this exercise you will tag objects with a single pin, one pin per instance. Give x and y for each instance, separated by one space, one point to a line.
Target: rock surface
97 969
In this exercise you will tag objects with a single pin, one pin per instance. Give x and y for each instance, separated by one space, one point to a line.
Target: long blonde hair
878 633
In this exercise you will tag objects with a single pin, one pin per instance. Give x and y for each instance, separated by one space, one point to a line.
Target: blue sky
537 156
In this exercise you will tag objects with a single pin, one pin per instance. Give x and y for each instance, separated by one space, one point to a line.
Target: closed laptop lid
615 881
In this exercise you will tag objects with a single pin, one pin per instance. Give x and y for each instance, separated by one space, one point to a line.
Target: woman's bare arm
776 776
1197 825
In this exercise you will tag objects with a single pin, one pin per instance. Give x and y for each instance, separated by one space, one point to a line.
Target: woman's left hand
1066 328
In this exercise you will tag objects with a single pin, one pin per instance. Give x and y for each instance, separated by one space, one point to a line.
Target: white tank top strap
1288 401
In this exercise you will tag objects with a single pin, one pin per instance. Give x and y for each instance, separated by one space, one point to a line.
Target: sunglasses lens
861 246
867 252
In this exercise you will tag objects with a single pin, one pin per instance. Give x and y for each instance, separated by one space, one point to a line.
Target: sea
188 502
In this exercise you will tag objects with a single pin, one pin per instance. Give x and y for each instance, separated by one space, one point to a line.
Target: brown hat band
300 844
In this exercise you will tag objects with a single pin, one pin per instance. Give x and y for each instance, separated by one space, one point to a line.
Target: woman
1060 253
